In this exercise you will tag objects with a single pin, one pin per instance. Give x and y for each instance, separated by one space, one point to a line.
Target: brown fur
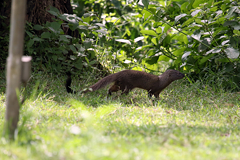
127 80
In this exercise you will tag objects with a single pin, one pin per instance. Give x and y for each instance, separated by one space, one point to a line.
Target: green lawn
190 121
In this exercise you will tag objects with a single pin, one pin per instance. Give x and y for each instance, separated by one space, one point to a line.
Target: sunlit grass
189 121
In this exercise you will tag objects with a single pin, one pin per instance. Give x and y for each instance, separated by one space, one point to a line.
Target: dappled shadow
171 128
174 134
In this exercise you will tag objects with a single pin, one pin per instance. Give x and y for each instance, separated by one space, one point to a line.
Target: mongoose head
173 75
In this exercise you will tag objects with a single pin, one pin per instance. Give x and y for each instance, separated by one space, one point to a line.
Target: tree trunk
14 65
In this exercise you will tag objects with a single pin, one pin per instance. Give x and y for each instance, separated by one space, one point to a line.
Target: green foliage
196 36
199 37
122 46
205 39
53 49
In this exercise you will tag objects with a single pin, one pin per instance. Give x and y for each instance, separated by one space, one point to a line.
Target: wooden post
26 69
18 14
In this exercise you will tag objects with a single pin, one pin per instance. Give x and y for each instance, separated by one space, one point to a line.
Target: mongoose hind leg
113 88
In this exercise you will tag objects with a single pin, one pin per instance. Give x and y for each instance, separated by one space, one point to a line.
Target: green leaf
213 9
37 39
103 31
228 67
37 27
64 38
46 35
219 30
73 26
138 39
232 53
72 57
72 48
149 32
55 25
203 47
91 52
54 57
184 6
186 23
54 11
224 7
225 42
185 39
236 27
204 59
198 2
194 13
82 27
144 47
236 32
100 25
152 60
151 52
230 23
30 43
87 43
127 61
196 35
231 11
87 19
159 30
177 18
179 52
124 41
85 15
146 14
29 34
185 55
79 63
154 40
198 21
117 4
215 50
222 60
145 3
163 58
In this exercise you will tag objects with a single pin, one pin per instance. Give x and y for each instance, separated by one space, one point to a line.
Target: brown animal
127 80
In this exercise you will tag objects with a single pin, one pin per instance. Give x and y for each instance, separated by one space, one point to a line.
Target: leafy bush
198 37
55 50
201 37
123 24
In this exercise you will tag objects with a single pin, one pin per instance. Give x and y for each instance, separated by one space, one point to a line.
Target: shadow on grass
180 135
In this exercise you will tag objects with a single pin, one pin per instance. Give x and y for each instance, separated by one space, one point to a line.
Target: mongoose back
127 80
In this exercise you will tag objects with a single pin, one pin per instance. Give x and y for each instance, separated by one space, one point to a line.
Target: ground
189 121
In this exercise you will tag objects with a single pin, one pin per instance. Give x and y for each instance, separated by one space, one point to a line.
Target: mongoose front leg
150 93
125 89
156 95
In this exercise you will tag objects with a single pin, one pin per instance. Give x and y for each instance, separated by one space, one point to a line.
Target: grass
190 121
